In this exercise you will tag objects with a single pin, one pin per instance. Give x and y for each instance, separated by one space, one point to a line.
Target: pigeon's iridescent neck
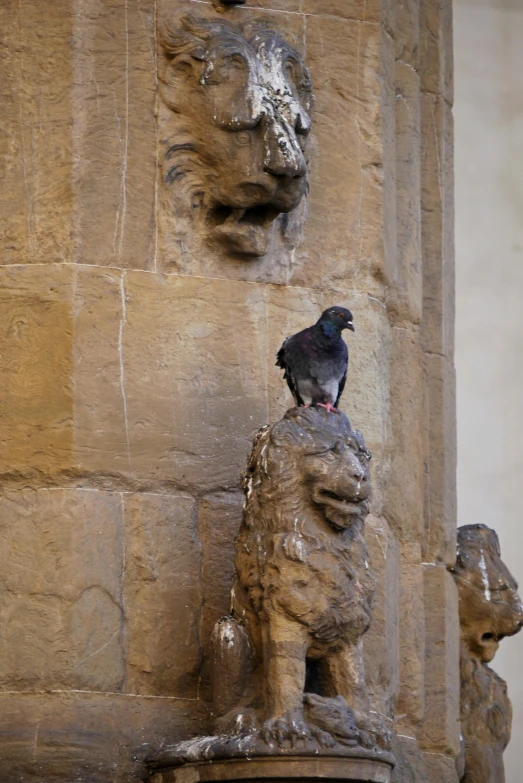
329 329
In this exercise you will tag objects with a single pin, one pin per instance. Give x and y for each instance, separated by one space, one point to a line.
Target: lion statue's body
303 590
489 609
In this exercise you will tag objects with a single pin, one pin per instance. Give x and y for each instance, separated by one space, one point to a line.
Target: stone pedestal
270 770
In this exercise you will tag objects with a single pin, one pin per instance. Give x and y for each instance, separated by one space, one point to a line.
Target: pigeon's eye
341 315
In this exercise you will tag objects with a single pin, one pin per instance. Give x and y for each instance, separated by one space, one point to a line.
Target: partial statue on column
288 674
235 136
489 609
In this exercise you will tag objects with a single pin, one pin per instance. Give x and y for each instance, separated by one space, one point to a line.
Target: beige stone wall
489 281
133 386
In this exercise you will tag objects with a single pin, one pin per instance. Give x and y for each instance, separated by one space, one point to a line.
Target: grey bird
315 360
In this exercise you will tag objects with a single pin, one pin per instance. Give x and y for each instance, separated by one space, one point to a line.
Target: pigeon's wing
340 389
281 361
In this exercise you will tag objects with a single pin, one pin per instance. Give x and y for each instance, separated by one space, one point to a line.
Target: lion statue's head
241 97
489 605
309 464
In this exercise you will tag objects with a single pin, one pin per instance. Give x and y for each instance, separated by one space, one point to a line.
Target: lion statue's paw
373 731
289 729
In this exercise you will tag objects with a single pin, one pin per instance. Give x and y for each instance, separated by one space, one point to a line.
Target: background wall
488 48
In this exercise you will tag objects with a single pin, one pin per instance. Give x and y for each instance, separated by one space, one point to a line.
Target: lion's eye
243 138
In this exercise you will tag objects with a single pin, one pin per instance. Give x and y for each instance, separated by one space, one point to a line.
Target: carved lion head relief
489 605
236 159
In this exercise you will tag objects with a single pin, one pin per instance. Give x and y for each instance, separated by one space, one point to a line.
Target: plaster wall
489 292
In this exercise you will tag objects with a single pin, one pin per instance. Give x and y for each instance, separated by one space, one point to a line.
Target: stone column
135 375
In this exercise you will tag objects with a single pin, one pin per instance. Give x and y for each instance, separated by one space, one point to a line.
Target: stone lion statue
288 662
235 133
489 610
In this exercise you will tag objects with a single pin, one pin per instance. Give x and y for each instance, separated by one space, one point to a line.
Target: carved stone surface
288 674
234 156
489 610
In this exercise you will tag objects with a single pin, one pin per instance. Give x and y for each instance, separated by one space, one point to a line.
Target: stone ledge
278 769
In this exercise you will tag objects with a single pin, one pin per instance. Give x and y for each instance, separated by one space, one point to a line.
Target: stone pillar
136 374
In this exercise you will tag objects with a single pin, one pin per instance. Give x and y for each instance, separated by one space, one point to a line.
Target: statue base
270 769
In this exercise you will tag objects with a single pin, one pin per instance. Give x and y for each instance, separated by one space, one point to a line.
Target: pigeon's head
340 317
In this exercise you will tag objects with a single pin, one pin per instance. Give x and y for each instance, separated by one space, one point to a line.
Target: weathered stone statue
489 610
288 675
235 143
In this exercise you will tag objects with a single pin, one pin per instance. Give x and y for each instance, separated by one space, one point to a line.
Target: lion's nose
358 475
283 155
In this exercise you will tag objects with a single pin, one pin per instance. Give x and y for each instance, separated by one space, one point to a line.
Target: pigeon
315 360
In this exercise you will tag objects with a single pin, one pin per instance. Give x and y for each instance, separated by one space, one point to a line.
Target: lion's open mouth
489 638
244 230
346 505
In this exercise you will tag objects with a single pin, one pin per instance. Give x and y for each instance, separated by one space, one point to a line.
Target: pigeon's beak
350 326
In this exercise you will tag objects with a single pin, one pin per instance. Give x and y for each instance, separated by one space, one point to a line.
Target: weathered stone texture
88 736
194 358
382 641
440 502
219 519
405 484
343 236
162 595
36 398
411 705
405 298
440 731
440 768
61 608
114 102
36 134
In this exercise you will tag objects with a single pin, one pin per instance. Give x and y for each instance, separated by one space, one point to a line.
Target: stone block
439 533
115 133
405 297
440 768
162 595
435 43
36 398
219 519
381 11
404 494
61 610
440 731
410 766
88 736
407 32
278 5
381 642
344 231
410 706
437 197
194 357
36 135
100 439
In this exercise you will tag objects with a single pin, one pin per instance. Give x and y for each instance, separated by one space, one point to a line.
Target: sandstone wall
134 380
